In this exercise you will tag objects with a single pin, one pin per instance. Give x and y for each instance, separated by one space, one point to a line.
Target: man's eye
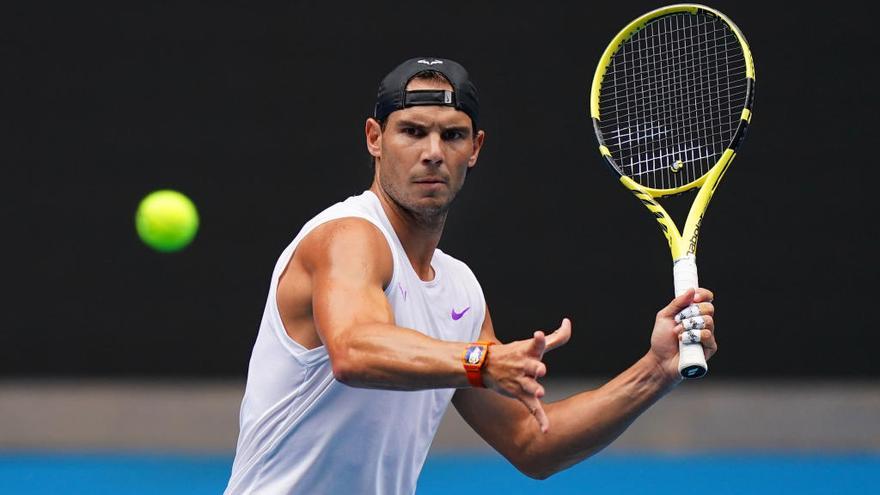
452 135
412 131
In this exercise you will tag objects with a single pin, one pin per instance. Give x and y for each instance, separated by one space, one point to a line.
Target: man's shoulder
349 223
353 210
347 246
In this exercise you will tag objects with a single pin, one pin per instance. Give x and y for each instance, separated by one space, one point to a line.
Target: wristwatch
474 359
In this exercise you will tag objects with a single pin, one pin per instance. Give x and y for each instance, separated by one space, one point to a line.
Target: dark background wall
256 112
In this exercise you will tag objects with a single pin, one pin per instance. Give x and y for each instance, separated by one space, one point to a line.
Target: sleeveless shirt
301 431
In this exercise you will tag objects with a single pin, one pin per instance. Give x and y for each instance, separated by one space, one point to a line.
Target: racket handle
691 360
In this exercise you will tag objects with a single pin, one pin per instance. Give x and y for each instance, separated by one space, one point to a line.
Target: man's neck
419 236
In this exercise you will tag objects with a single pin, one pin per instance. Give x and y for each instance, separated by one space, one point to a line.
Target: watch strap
474 360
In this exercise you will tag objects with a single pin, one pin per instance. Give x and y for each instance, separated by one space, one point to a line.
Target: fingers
539 343
695 310
704 337
523 386
696 323
530 395
704 295
533 389
689 297
540 370
688 312
560 337
542 343
695 336
678 304
536 409
529 390
696 329
690 331
533 368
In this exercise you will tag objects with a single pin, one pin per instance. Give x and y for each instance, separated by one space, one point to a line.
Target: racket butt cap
691 361
693 371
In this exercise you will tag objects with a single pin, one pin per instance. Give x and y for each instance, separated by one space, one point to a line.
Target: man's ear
478 145
373 133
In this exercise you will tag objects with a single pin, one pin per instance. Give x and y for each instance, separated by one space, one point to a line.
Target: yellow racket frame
680 243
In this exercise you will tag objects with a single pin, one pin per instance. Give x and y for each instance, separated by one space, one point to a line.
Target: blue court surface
30 474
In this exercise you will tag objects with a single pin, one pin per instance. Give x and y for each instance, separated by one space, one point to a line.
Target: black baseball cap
394 96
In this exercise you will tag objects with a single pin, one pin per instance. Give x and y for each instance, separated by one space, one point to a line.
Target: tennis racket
671 100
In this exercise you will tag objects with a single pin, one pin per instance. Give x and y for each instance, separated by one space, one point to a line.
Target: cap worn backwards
394 96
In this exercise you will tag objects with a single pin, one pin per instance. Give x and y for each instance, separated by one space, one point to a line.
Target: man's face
424 153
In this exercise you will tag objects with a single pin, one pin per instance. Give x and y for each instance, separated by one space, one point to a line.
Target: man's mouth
430 180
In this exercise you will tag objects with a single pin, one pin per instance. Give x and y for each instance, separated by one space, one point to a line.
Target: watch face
474 354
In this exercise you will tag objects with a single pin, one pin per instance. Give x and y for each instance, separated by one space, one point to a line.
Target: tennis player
369 330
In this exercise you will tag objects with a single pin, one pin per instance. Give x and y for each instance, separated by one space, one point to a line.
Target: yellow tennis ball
166 220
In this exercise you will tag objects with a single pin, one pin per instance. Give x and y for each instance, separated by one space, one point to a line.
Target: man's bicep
350 264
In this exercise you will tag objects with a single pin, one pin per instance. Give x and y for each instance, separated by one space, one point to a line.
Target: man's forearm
584 424
386 356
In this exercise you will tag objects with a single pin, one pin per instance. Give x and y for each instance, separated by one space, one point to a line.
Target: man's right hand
514 369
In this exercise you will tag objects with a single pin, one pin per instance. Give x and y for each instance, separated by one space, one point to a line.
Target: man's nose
433 152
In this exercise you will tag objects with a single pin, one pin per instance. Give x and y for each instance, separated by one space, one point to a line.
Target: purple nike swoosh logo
457 316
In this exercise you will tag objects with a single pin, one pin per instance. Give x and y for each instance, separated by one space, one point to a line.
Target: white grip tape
684 272
690 355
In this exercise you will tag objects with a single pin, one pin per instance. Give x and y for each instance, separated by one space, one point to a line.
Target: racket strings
671 99
634 86
692 110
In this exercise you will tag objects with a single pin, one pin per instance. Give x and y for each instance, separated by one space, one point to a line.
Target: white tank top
301 431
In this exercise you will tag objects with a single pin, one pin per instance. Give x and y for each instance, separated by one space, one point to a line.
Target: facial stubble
429 217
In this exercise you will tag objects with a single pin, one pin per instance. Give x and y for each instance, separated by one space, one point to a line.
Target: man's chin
430 206
426 205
